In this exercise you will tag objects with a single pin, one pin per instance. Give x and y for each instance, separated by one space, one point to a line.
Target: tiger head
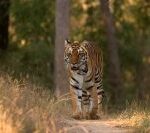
75 56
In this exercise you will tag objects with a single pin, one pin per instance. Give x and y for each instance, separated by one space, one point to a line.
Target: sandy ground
93 126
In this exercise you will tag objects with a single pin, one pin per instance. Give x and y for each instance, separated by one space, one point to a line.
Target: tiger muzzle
74 67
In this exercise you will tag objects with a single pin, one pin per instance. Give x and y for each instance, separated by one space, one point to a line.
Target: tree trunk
62 32
113 61
4 23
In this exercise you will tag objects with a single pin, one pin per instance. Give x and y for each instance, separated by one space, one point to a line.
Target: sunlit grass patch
136 117
27 108
6 124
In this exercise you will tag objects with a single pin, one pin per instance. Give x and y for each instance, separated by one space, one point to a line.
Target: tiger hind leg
100 96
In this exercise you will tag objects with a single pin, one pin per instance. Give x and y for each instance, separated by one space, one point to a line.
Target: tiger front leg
85 104
93 107
76 97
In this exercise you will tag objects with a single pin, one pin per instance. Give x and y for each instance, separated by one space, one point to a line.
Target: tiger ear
67 42
84 43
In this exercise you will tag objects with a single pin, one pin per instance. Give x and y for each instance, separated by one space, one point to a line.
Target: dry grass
25 108
135 117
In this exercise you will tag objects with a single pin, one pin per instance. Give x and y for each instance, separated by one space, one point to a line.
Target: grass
25 108
136 117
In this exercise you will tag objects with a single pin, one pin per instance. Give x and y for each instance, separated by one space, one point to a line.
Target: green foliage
33 63
30 54
33 20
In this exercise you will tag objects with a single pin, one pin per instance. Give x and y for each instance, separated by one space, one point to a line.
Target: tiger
84 64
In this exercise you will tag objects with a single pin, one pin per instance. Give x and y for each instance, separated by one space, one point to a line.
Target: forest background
32 34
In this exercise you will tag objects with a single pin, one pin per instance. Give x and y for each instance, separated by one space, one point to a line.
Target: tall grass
25 108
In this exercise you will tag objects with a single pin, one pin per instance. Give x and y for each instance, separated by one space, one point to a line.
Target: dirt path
93 126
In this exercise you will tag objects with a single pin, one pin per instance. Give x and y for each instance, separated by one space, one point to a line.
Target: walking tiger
84 64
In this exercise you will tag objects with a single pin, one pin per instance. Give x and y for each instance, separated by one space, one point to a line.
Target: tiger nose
74 66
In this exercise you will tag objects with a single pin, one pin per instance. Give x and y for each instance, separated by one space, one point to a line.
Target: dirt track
93 126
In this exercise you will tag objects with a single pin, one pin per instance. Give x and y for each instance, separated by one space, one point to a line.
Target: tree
4 23
62 32
113 61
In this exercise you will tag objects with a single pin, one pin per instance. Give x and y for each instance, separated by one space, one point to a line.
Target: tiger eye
68 54
81 54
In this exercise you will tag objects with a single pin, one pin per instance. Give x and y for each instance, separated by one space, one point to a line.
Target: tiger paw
77 116
86 116
94 116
